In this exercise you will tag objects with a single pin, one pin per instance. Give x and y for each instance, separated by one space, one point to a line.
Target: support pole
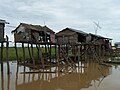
29 52
1 58
32 54
38 52
41 57
7 45
16 52
23 52
78 54
50 52
56 52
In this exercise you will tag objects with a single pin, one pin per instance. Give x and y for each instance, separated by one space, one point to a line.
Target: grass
12 53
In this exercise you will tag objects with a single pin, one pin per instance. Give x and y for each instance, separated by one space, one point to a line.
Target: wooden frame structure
35 36
70 46
82 45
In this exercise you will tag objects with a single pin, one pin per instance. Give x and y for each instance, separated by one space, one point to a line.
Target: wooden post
41 58
32 54
7 45
86 52
56 52
23 52
67 48
78 54
16 52
29 52
46 55
45 49
50 52
38 52
1 58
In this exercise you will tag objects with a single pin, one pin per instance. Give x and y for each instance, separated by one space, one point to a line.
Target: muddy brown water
88 76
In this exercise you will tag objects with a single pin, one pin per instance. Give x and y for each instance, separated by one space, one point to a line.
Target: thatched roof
72 31
34 28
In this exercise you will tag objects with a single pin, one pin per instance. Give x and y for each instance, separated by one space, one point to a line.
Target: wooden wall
1 32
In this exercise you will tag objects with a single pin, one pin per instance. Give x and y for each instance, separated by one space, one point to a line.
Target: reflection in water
2 81
89 75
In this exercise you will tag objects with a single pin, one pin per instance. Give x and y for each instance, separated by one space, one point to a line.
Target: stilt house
99 40
2 25
71 36
28 33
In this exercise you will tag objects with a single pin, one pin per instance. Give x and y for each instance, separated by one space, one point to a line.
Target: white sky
59 14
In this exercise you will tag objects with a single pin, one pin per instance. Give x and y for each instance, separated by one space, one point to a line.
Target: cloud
58 14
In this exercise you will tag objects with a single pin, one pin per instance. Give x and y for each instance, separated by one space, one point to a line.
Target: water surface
88 76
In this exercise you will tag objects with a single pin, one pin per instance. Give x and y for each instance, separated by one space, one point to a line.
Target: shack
2 25
97 39
28 33
69 35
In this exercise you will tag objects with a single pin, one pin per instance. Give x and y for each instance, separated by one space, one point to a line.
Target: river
87 76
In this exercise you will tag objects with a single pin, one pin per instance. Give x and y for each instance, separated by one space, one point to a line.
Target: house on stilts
82 45
41 36
28 33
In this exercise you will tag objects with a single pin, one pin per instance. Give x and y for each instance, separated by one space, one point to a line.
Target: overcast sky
59 14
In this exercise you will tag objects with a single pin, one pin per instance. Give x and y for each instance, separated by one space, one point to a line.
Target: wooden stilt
46 54
45 49
50 51
16 52
67 46
38 52
41 57
23 52
85 46
59 54
7 45
78 54
32 54
29 53
1 58
56 53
